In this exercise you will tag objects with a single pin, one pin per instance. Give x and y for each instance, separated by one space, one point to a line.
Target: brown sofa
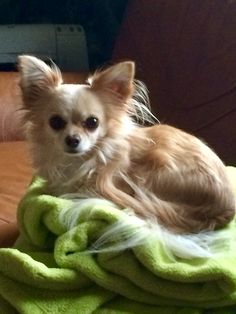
185 52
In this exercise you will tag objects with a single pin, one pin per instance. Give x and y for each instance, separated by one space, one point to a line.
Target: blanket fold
51 269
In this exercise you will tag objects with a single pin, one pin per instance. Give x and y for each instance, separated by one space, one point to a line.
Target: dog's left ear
117 78
36 77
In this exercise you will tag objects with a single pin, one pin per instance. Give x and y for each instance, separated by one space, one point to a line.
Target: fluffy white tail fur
132 232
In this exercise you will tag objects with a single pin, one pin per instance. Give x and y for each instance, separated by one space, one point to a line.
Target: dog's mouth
74 152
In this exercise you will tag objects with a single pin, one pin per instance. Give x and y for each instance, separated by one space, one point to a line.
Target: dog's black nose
72 141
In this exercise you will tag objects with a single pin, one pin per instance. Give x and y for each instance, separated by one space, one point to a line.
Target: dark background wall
100 18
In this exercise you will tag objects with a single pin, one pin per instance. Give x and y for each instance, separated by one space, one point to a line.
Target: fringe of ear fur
140 105
132 232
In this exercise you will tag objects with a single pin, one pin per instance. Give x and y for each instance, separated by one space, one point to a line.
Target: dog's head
74 118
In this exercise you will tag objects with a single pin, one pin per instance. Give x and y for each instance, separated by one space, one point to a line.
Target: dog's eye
57 123
91 123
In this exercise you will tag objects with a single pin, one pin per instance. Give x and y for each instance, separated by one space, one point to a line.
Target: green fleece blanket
49 270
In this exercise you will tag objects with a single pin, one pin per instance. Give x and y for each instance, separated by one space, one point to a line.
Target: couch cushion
9 103
15 175
185 52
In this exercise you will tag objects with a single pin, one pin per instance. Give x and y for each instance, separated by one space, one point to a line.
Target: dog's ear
117 78
36 77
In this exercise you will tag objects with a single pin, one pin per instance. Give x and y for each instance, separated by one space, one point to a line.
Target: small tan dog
83 139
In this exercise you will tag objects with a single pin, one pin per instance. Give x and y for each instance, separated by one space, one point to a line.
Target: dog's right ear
36 77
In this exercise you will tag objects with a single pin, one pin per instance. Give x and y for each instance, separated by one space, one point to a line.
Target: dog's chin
75 152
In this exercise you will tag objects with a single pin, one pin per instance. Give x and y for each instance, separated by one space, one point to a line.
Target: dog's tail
133 232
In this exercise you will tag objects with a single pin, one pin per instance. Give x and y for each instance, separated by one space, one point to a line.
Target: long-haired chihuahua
84 138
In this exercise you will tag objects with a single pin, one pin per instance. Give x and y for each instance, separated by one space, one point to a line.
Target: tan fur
160 172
